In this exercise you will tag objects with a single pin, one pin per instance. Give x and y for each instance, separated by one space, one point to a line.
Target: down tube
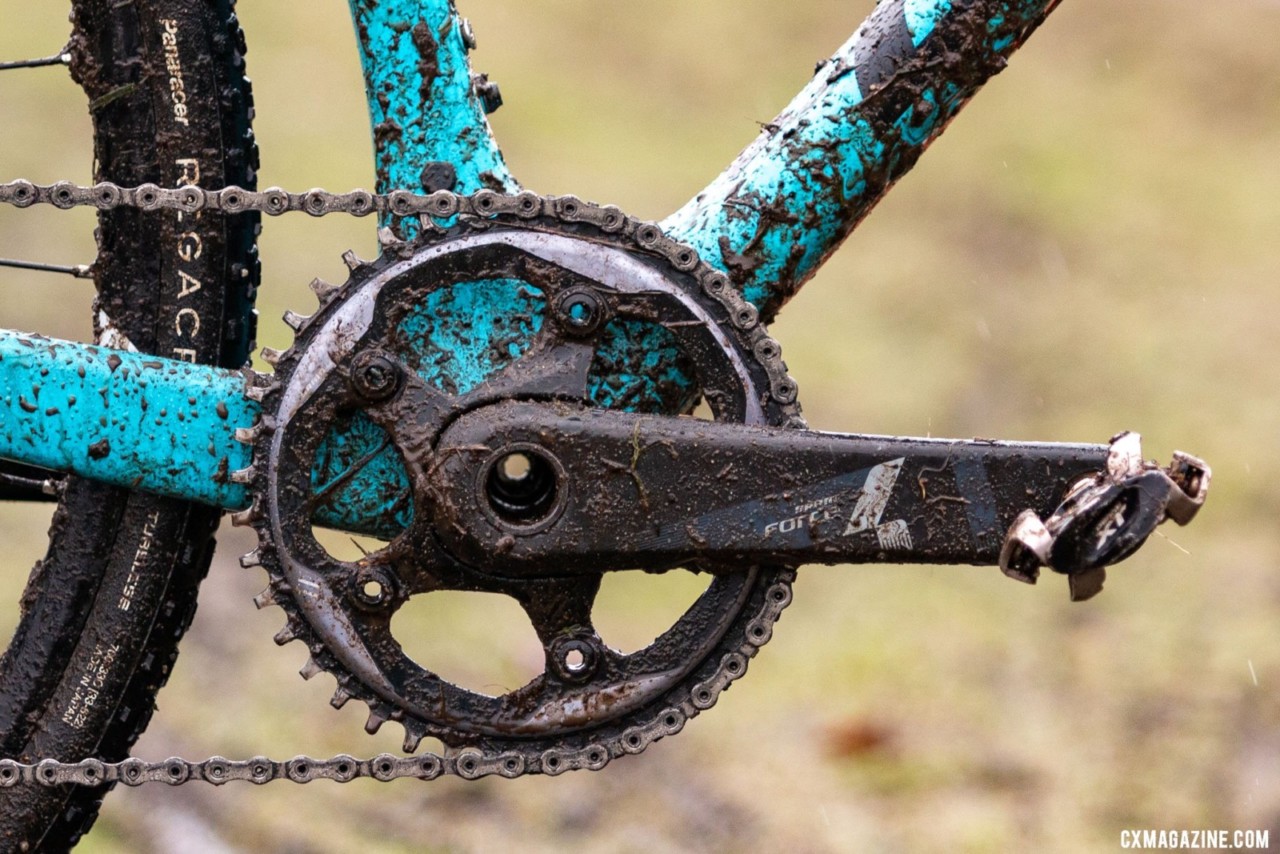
794 194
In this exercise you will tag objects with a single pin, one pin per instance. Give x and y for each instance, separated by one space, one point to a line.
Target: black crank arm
524 489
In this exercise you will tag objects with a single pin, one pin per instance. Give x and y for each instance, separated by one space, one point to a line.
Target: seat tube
426 111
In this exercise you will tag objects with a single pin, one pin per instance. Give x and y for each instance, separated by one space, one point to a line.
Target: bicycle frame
790 198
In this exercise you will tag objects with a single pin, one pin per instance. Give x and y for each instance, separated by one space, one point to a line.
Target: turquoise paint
411 130
168 427
795 181
922 16
916 126
419 119
804 203
999 41
132 420
638 367
794 194
460 336
455 340
356 470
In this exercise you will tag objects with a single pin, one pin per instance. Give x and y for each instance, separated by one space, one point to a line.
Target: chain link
232 200
468 763
218 770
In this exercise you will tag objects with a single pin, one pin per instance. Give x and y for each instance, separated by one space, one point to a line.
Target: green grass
1091 247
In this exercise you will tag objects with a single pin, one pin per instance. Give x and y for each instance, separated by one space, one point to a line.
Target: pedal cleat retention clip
1105 518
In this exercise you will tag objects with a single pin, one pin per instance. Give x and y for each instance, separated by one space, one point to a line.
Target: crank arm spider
608 490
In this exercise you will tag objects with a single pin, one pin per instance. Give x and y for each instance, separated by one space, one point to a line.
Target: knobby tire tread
108 545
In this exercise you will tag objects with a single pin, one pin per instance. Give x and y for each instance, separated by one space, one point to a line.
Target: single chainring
425 334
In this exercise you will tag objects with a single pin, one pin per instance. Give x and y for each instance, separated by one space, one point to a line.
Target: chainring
646 288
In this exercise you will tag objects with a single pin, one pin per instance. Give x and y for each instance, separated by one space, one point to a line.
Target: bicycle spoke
57 59
20 482
79 271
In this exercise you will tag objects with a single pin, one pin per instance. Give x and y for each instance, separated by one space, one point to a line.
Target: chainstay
467 763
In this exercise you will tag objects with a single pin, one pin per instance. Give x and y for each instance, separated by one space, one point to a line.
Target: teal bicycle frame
162 425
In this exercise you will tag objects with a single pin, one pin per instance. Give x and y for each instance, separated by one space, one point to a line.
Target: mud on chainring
549 246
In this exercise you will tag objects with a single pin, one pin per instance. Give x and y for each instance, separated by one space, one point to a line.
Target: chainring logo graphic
872 501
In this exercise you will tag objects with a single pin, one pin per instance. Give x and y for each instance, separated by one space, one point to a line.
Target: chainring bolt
575 659
581 311
374 587
375 376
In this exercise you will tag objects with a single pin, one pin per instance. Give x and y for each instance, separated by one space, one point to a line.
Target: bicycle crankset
503 461
371 362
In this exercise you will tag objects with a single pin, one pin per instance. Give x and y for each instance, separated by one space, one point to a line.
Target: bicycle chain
468 763
272 201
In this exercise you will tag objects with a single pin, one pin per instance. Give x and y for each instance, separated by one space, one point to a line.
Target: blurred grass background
1091 247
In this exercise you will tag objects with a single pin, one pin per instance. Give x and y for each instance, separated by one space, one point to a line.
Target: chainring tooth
469 754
